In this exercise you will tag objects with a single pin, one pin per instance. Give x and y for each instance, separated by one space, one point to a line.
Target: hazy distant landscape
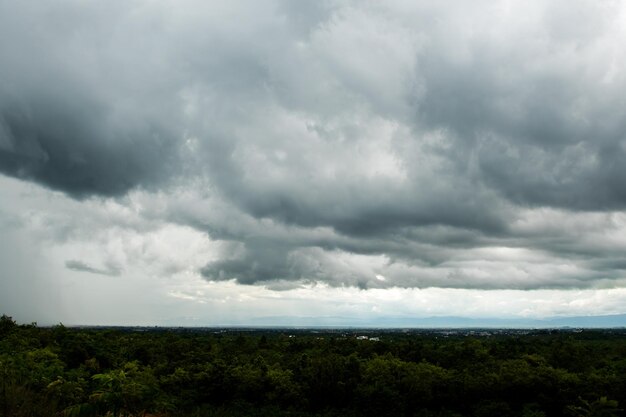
611 321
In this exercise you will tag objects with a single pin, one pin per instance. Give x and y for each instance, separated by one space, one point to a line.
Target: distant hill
618 320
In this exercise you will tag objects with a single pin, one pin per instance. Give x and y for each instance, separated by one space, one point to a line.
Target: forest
69 371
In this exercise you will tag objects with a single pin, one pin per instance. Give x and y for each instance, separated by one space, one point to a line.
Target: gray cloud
337 141
74 148
74 113
109 270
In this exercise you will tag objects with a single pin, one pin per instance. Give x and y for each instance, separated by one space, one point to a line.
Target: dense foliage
210 372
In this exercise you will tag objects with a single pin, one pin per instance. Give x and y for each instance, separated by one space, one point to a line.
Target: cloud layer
360 144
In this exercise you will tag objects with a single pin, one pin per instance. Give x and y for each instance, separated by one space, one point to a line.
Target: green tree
602 407
7 324
125 391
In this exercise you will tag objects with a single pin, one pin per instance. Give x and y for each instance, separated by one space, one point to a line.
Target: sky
213 163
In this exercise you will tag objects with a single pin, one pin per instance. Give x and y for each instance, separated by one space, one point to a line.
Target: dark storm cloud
72 116
354 143
75 148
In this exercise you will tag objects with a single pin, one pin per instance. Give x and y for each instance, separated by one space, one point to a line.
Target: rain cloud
434 144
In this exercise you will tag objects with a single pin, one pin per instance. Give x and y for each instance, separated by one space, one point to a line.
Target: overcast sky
199 162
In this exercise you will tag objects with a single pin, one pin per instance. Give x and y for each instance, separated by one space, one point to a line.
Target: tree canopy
62 371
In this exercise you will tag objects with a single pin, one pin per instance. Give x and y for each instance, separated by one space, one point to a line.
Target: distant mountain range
618 320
